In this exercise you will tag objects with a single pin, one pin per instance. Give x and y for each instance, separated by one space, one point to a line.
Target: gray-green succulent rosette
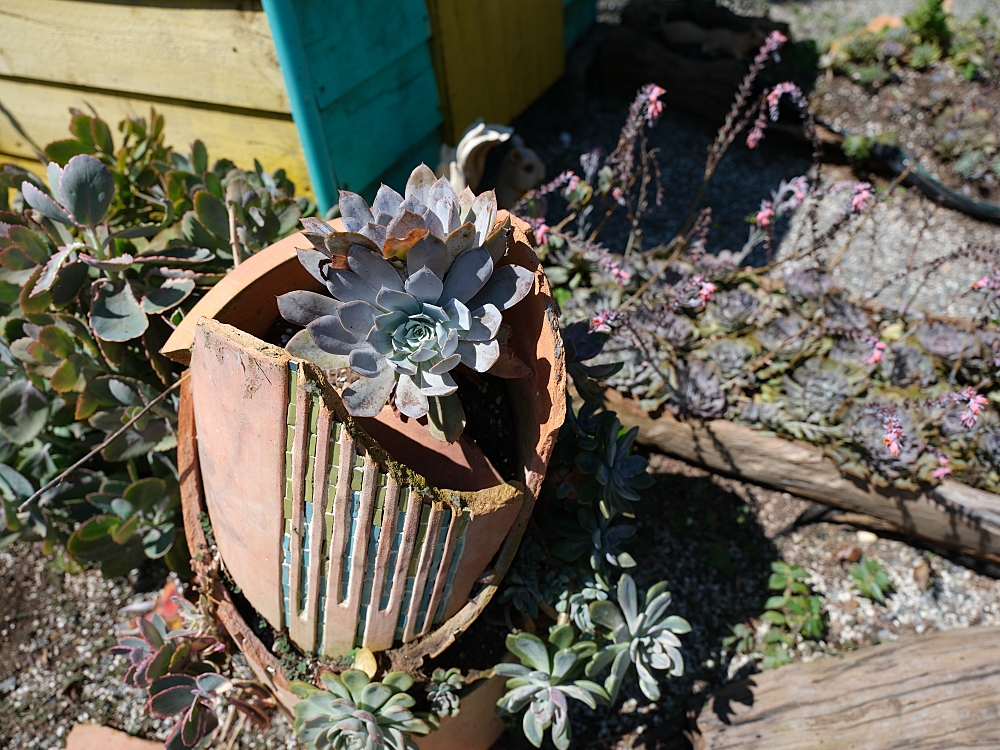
417 290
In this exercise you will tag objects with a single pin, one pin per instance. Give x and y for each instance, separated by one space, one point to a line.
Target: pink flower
943 469
799 188
775 41
862 197
619 195
756 135
601 322
654 108
706 291
541 234
876 355
775 94
893 433
766 214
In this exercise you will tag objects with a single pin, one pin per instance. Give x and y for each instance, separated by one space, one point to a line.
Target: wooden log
922 692
951 514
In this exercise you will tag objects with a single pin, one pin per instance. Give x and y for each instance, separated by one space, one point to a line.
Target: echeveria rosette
416 291
354 712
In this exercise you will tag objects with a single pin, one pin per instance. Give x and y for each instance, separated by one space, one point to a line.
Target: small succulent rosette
417 291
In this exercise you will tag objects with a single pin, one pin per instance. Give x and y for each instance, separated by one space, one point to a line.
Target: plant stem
103 444
234 239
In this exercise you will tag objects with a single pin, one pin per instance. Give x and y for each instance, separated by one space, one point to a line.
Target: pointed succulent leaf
303 307
485 324
314 262
317 226
506 287
302 346
387 201
399 247
330 335
470 271
374 269
403 223
456 243
419 183
357 317
391 300
496 242
347 286
485 209
425 286
340 243
428 252
353 206
432 384
446 417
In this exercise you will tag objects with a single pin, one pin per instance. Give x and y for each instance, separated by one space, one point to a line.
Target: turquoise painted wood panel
578 15
381 119
361 86
347 42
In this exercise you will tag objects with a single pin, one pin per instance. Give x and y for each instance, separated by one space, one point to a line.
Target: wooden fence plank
220 53
43 112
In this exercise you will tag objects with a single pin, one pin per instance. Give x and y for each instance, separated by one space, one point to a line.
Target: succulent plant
612 472
808 284
732 309
196 699
355 713
786 336
866 429
817 391
731 356
595 536
844 314
404 329
157 651
699 390
946 341
442 691
541 684
646 639
576 605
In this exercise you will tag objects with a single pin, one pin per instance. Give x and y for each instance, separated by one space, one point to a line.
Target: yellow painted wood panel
219 52
493 57
43 113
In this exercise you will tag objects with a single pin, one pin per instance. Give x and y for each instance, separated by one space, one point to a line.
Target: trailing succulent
354 712
418 288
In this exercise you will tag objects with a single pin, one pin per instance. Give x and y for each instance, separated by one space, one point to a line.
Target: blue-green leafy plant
418 288
354 712
99 260
542 683
643 638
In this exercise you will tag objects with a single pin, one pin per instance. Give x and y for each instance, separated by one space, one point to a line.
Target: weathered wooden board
931 692
951 515
43 113
493 57
220 53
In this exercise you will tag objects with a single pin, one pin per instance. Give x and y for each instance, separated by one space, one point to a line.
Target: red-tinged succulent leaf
57 341
170 701
31 303
159 664
14 258
67 376
33 245
396 247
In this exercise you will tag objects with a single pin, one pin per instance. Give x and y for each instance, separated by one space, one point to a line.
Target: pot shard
321 530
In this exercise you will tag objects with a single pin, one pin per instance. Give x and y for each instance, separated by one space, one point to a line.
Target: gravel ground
55 669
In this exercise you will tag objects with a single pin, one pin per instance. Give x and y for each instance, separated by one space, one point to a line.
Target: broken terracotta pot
354 532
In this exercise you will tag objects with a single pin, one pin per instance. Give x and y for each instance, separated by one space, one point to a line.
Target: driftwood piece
935 691
951 515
